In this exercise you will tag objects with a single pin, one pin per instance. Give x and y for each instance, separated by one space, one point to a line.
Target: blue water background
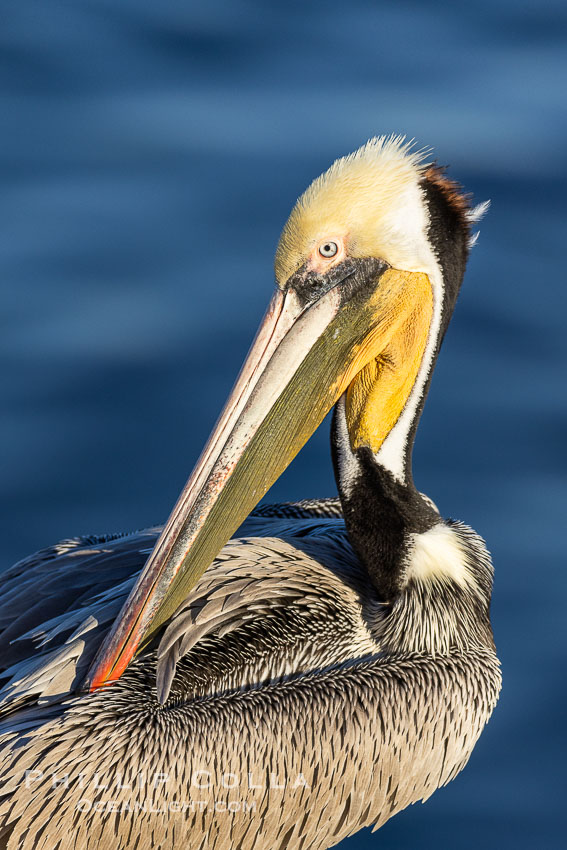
150 153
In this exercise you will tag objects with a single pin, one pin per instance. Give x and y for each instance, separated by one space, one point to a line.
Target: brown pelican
335 662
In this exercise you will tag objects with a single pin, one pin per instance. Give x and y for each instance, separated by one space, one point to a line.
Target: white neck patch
348 462
438 556
392 452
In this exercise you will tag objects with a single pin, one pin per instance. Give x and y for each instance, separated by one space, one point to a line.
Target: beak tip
108 670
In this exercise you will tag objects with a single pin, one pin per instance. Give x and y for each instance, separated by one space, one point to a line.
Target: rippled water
150 153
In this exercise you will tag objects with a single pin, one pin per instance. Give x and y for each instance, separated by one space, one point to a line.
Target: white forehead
374 195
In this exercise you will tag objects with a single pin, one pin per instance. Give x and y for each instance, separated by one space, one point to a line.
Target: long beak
302 359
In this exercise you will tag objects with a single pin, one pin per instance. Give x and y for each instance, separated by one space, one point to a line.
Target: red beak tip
99 682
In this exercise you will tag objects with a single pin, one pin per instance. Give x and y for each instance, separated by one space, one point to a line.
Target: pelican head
368 268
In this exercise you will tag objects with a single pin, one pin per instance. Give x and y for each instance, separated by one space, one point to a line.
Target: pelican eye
328 249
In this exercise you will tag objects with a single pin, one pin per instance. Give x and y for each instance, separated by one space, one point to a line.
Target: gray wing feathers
276 677
56 605
256 580
55 608
63 579
54 668
306 508
341 743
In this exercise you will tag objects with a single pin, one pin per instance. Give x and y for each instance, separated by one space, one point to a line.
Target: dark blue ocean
150 154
